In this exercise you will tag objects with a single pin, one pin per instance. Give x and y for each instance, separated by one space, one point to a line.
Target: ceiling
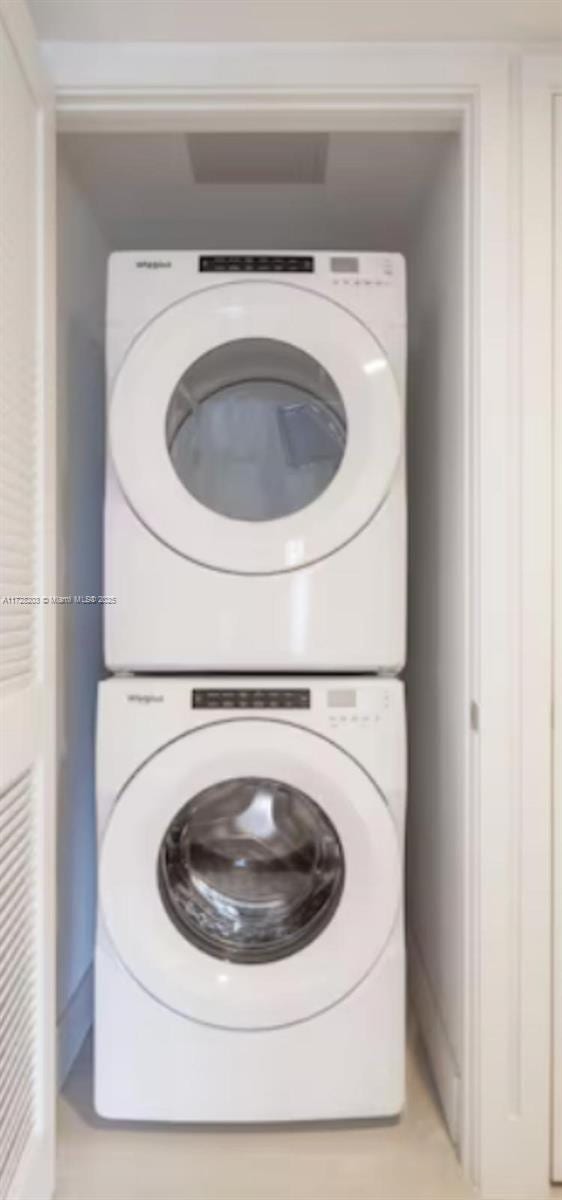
144 194
297 20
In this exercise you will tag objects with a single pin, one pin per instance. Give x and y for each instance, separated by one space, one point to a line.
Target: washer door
250 874
255 427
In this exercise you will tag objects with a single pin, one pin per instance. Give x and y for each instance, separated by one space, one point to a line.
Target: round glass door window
251 870
256 429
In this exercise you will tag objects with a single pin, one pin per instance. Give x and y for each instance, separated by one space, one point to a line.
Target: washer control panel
250 698
348 711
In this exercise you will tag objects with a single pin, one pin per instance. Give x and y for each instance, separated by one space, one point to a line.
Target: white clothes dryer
250 946
255 511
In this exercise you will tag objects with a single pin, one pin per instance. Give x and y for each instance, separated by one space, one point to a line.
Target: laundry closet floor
410 1160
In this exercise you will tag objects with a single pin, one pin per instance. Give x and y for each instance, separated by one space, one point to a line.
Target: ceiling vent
248 158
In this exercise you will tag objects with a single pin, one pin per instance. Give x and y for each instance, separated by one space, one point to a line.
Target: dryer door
250 874
255 427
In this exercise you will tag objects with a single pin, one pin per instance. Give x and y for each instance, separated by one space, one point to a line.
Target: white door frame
541 175
504 1143
557 632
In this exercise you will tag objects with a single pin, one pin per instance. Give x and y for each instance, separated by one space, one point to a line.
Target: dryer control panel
257 264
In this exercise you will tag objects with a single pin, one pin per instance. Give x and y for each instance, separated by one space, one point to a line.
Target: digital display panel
344 264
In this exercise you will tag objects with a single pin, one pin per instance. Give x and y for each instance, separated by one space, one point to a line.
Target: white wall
271 21
82 254
143 188
436 672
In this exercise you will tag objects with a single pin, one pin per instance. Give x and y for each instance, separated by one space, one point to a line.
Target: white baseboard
444 1067
73 1025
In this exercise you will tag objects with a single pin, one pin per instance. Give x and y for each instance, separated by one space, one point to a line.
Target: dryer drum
256 429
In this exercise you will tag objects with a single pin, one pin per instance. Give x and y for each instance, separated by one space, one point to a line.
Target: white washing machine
250 947
255 514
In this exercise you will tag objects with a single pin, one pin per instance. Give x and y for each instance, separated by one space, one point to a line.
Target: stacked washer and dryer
251 777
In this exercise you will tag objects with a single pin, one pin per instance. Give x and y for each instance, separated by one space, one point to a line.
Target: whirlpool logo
153 264
145 698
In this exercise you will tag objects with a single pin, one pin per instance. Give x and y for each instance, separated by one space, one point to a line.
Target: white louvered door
27 572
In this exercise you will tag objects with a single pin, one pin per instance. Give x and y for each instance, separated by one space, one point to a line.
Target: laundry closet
280 562
339 198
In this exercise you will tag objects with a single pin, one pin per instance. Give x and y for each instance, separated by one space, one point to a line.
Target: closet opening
346 192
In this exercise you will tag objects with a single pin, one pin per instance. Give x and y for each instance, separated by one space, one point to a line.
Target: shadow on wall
80 654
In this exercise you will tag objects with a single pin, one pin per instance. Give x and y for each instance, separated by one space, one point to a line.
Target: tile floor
410 1160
